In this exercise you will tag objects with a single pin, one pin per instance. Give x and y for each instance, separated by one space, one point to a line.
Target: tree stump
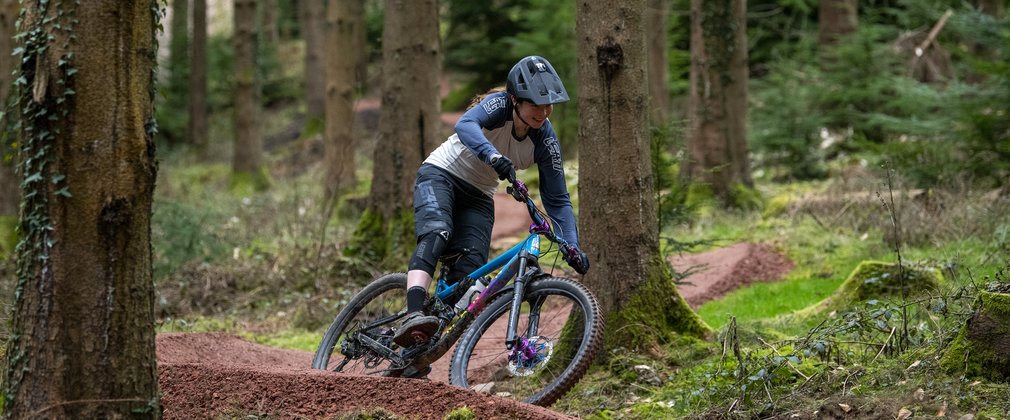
982 347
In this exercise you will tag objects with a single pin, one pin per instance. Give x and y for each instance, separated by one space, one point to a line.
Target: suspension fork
525 260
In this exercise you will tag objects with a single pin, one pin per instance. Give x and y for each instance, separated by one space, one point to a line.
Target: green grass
767 300
290 339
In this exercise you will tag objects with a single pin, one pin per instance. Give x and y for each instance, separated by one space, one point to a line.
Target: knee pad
429 247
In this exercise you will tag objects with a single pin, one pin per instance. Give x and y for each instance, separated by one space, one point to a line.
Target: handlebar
540 225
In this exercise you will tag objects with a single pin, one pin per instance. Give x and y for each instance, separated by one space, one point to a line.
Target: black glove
577 259
503 166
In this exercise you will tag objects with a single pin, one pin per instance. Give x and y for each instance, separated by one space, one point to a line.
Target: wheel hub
530 356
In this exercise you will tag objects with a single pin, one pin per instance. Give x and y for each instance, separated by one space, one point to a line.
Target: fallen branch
921 49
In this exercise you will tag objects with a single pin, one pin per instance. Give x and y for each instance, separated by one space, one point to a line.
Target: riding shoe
415 322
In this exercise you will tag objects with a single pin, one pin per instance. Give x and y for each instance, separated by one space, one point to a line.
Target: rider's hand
503 166
577 259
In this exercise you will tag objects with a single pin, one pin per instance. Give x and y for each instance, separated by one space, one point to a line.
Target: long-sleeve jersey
487 129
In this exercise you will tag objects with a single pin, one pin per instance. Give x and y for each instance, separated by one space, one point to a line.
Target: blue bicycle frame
514 260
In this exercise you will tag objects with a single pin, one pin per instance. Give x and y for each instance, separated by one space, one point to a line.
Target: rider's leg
433 202
422 265
471 233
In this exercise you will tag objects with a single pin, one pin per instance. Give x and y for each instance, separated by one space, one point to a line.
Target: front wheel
559 332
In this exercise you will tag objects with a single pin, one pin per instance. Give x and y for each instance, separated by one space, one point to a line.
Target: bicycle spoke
552 324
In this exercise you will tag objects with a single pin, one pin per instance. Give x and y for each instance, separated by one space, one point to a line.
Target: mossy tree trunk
982 347
311 16
198 123
717 106
248 149
629 276
341 67
408 125
82 335
10 191
657 19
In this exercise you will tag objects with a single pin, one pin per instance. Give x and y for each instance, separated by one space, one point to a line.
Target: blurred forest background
280 192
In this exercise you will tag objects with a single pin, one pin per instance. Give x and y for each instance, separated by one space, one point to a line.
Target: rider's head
534 79
535 87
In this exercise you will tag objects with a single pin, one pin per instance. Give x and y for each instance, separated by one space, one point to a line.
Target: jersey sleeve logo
555 150
491 105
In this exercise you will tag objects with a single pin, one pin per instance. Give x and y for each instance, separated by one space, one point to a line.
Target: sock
415 298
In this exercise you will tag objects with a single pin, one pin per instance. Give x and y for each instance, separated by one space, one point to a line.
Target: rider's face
535 115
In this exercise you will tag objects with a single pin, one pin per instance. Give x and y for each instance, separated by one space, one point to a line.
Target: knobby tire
393 282
560 379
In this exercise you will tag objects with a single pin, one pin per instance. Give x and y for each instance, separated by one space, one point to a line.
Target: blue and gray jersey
486 129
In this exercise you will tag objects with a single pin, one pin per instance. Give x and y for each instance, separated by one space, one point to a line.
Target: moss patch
745 197
982 346
701 197
878 280
8 235
249 183
777 206
382 241
654 314
462 413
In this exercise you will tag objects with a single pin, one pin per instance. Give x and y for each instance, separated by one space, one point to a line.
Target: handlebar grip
514 192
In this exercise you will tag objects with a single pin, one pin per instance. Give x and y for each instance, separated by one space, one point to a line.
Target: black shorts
444 202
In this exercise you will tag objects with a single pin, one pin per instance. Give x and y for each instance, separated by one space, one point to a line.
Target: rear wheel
360 338
560 331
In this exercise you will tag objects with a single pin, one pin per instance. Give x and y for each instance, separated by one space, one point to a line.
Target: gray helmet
533 79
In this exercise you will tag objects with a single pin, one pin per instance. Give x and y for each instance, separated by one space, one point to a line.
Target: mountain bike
523 334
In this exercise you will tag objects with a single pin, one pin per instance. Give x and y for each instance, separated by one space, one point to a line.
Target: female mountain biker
453 206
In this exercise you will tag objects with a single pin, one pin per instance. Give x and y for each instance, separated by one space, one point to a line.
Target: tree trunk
271 33
629 276
994 8
837 18
657 18
178 69
10 191
248 140
409 121
982 346
82 339
312 18
341 64
198 125
717 108
408 125
360 45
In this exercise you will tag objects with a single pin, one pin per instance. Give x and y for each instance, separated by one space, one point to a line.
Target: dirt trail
211 374
206 375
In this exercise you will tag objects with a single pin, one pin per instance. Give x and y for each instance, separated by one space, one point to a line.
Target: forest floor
216 374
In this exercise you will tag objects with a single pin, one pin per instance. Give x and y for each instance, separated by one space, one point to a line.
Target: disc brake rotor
530 356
